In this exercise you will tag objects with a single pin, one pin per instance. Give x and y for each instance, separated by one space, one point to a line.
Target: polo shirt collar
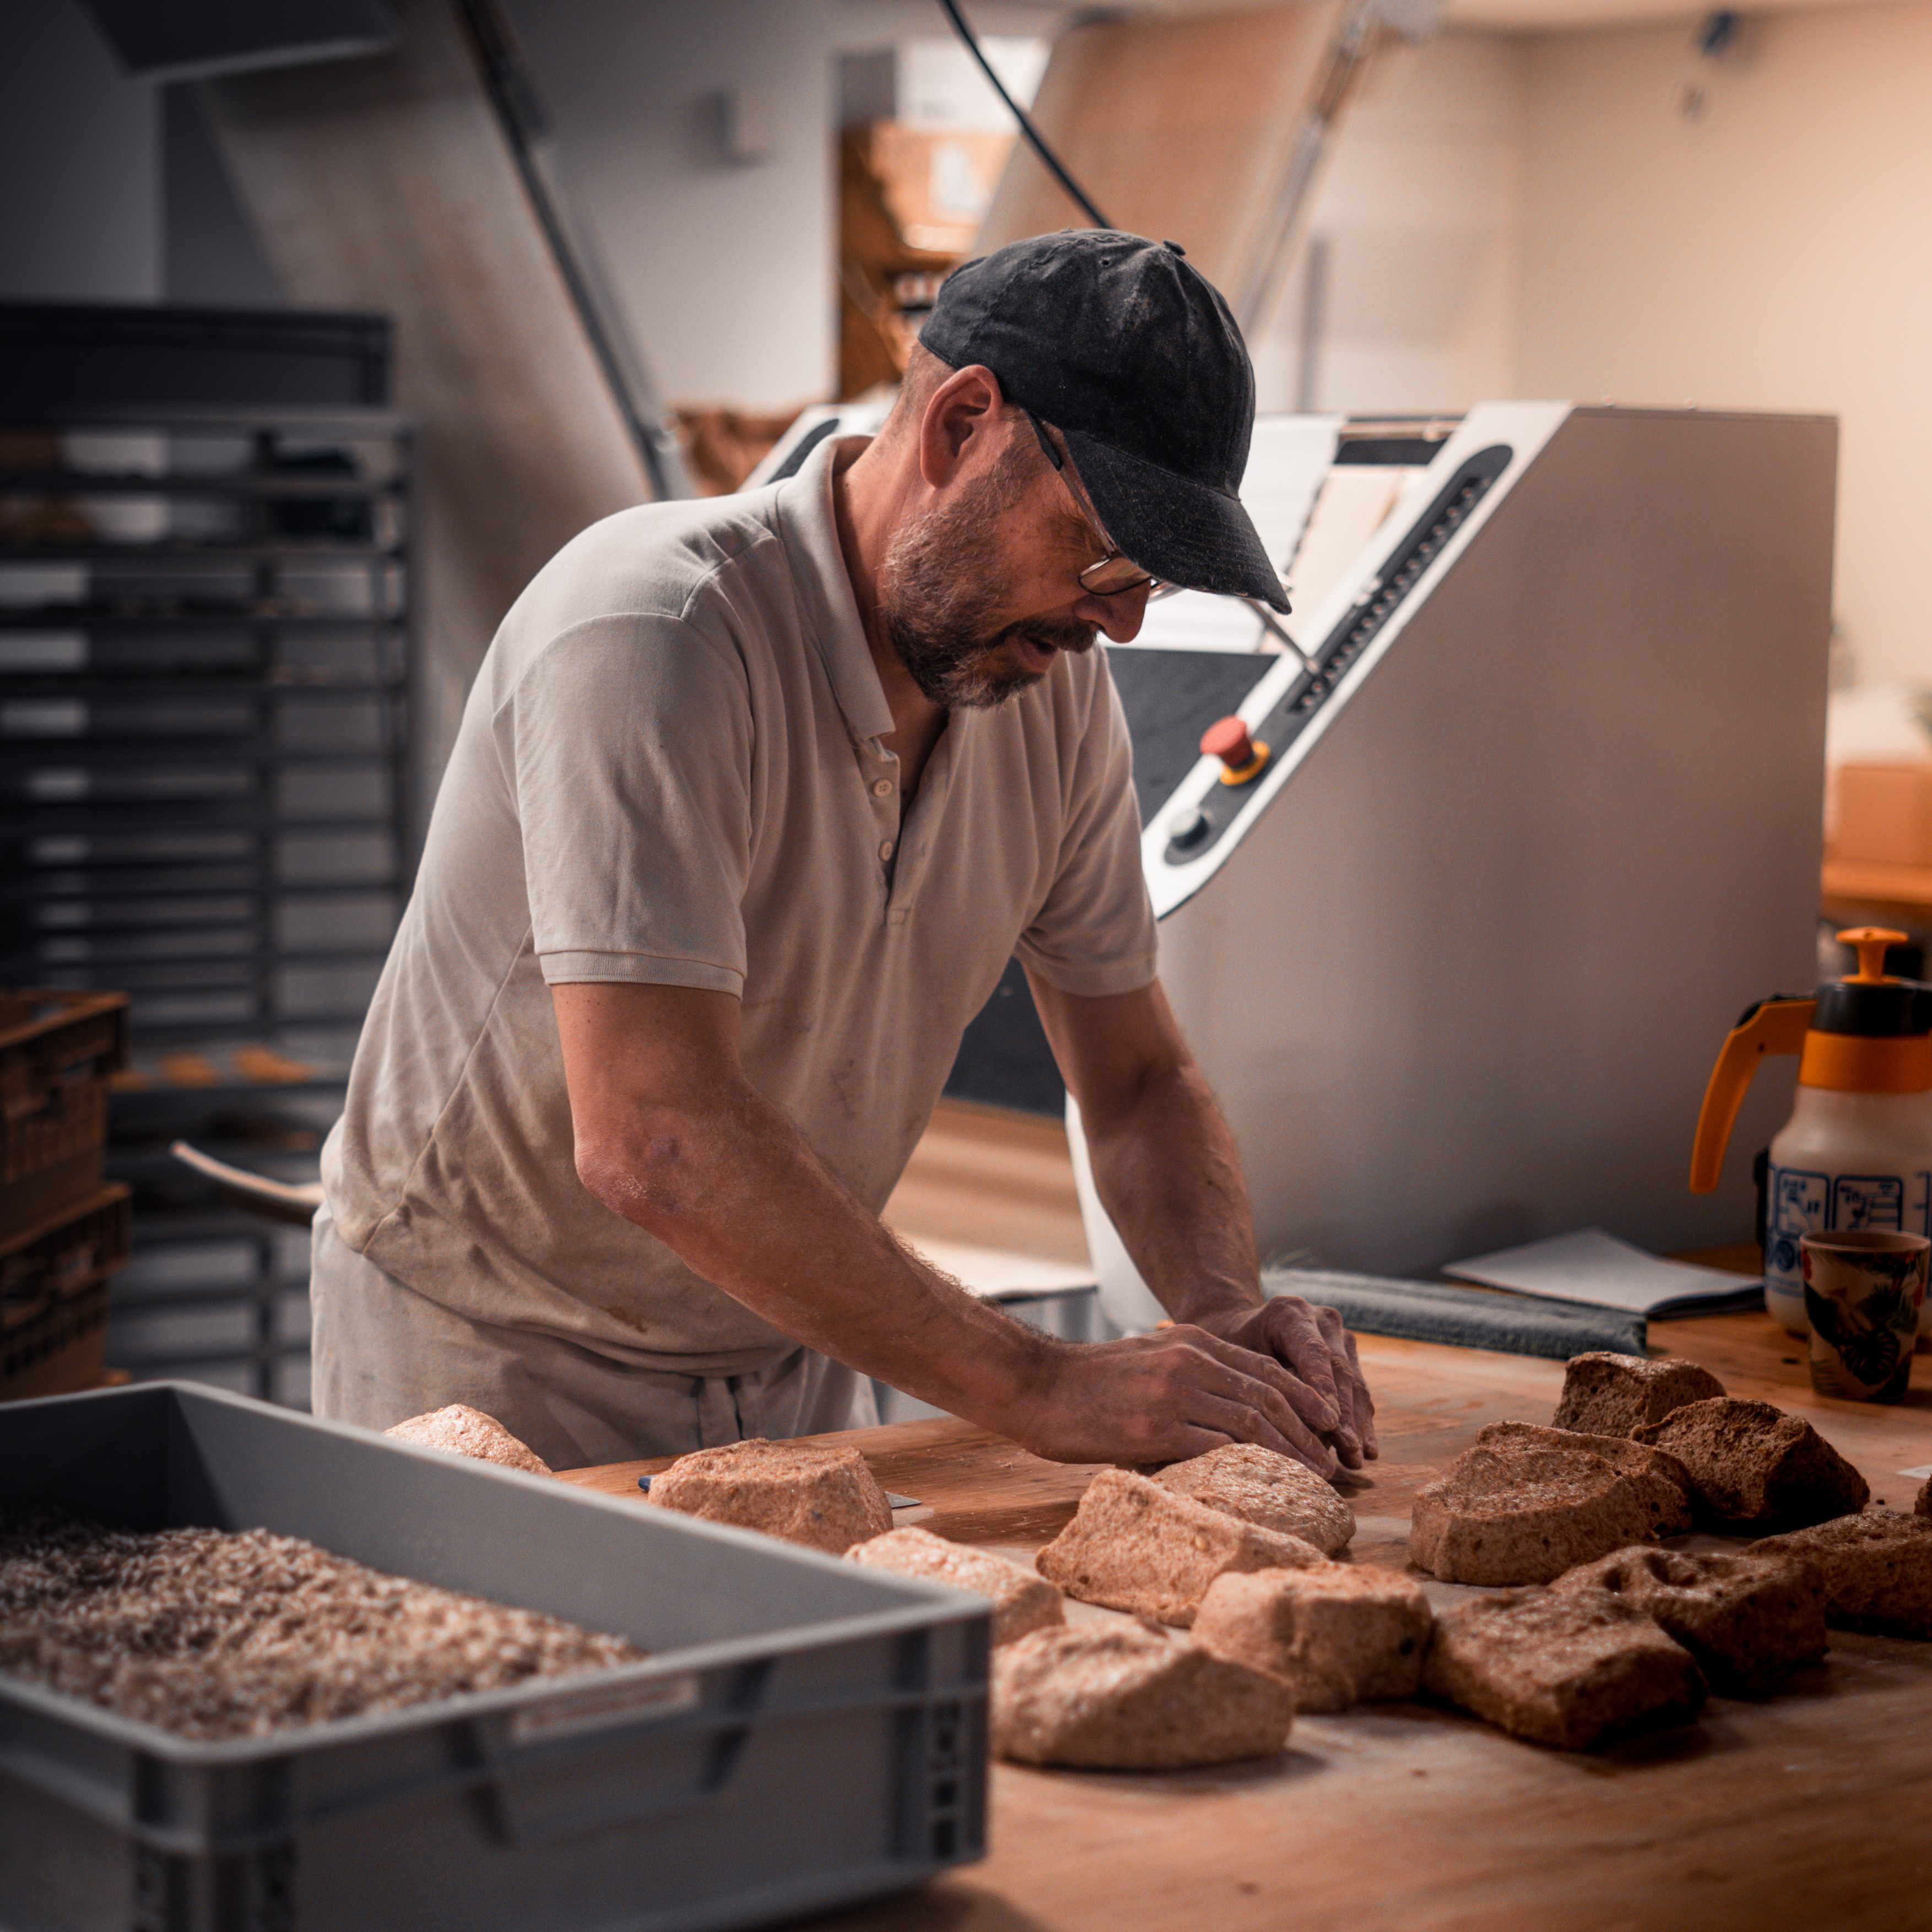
810 532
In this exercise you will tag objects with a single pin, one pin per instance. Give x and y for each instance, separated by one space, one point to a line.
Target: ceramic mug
1863 1291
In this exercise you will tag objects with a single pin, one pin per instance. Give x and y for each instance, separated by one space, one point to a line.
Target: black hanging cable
1035 140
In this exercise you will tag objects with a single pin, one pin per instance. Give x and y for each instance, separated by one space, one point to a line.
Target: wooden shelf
1862 883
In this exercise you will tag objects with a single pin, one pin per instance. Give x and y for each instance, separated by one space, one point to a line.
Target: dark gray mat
1467 1318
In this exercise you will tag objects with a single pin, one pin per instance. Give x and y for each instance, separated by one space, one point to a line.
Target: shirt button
885 848
882 787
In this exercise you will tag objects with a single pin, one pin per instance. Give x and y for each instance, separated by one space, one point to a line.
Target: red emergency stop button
1242 756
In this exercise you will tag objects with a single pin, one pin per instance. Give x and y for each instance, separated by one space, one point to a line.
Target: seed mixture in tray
214 1633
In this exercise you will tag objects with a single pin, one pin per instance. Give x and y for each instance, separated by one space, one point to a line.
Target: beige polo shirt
669 771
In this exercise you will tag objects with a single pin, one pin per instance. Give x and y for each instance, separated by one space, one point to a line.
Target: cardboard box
1884 814
936 183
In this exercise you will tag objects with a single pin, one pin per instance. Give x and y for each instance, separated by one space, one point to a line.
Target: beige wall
726 269
1774 252
1420 215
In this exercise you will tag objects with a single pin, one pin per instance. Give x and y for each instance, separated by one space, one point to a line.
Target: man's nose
1118 615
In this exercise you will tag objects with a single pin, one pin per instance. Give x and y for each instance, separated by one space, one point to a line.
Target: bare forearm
1167 1170
736 1193
1170 1177
671 1135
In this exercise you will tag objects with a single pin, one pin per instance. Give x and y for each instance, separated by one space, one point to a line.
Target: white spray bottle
1857 1151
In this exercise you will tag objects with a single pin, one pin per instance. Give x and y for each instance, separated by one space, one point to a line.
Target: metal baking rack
207 653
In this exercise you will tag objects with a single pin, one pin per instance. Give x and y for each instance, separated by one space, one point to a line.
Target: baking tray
806 1733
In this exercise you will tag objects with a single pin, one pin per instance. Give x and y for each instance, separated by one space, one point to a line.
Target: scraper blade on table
1466 1318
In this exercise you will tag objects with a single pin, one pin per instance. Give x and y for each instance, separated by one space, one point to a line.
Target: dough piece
1525 1505
1606 1394
1746 1618
1131 1697
824 1498
1662 1481
1260 1486
1753 1466
1022 1601
1134 1545
1562 1667
460 1430
1875 1569
1337 1634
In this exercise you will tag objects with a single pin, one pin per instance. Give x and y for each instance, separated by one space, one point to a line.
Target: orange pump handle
1777 1026
1871 943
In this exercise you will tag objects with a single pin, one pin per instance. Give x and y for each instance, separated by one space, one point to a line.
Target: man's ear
962 420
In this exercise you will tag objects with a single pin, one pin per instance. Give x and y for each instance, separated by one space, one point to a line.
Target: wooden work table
1812 1808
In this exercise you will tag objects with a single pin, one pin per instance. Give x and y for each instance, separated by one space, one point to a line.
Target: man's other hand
1177 1393
1169 1175
1314 1346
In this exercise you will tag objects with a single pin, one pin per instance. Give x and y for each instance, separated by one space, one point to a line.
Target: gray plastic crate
806 1732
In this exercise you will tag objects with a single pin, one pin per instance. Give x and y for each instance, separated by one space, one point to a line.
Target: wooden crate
53 1295
58 1050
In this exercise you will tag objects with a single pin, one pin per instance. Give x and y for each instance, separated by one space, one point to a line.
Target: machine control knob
1242 756
1188 827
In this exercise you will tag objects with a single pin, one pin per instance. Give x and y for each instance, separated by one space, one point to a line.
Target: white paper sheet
1193 620
1590 1266
1288 456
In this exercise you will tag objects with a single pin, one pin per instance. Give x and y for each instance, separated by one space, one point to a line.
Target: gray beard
941 584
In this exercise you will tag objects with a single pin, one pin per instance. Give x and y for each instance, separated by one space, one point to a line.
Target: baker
752 801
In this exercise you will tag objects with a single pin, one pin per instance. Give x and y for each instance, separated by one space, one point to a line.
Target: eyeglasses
1114 573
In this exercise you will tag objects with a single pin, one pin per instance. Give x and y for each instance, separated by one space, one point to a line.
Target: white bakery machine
1539 813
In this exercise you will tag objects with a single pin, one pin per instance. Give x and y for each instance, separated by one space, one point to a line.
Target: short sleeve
1094 934
628 745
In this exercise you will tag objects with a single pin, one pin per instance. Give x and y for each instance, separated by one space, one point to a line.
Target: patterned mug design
1862 1293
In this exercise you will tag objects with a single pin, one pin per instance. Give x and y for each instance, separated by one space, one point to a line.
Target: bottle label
1801 1200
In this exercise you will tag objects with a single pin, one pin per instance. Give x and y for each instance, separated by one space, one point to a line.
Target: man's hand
1163 1397
1167 1168
1315 1345
671 1136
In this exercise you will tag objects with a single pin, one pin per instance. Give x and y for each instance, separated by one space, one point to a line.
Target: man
752 801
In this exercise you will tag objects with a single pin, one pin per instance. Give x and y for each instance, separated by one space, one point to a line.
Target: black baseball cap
1128 349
